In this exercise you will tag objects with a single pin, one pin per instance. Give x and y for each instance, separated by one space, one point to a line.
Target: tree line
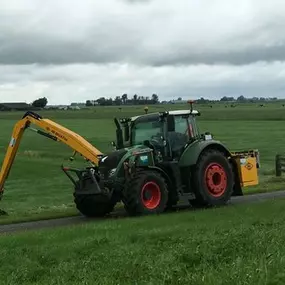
154 99
124 100
240 99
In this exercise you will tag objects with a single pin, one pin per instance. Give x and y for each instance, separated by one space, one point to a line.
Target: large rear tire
146 193
93 205
213 179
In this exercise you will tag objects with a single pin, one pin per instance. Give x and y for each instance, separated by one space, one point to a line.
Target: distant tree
40 103
227 99
154 98
88 103
135 99
125 98
109 102
118 100
102 101
241 98
202 100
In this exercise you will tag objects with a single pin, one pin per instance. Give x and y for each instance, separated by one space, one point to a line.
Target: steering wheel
155 141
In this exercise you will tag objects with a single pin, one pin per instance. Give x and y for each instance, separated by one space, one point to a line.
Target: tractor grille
110 162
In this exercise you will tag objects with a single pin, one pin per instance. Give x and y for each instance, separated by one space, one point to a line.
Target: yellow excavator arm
51 130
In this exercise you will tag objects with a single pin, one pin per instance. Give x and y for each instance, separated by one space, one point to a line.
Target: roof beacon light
191 102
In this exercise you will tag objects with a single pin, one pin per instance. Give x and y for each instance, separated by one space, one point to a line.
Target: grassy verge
31 217
71 211
233 245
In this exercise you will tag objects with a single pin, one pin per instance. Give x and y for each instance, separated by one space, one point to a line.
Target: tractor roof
183 112
174 113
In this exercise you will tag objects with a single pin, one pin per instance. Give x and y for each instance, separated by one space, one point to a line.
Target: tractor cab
165 132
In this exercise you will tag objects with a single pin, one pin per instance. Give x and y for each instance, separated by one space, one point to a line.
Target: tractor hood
113 162
110 161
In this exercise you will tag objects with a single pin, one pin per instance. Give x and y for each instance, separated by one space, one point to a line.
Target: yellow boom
53 131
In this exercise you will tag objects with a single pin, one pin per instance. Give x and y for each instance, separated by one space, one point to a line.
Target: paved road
120 214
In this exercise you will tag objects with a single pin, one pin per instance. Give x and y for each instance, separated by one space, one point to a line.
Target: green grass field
231 245
38 189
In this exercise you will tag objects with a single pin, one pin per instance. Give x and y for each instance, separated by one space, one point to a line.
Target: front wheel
146 193
213 179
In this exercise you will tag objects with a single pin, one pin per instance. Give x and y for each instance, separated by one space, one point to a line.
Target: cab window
178 135
144 131
181 125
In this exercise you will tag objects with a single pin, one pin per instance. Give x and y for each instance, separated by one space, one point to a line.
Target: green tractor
161 159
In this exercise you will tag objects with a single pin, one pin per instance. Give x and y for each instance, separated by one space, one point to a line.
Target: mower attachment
80 184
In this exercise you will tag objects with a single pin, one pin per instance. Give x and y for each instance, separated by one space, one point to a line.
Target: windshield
145 131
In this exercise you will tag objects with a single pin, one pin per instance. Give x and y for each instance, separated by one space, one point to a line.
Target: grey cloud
45 51
242 57
63 84
152 35
197 48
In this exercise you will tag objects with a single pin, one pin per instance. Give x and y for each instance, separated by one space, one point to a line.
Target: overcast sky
71 51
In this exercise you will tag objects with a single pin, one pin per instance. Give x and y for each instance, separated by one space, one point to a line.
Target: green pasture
241 245
37 188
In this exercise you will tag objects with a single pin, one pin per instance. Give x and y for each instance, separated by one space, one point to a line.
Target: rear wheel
146 193
213 179
93 205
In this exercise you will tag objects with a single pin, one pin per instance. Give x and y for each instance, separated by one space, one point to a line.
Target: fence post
278 170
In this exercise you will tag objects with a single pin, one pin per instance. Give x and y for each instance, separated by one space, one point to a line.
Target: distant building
62 107
80 105
16 107
56 107
178 101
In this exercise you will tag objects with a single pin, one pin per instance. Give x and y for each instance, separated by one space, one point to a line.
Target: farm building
15 107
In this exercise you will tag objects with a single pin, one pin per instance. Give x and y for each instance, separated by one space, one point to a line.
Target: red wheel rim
151 195
216 179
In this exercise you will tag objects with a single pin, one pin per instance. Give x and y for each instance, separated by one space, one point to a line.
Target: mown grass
38 188
230 245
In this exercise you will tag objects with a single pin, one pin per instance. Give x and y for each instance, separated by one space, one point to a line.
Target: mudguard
192 152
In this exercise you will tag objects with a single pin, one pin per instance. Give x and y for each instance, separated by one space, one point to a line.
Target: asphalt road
119 214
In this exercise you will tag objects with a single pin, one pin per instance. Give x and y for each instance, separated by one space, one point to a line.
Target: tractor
160 159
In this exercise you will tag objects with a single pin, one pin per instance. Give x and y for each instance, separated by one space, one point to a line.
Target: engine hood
112 159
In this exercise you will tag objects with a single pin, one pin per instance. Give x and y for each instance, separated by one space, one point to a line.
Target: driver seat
176 141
